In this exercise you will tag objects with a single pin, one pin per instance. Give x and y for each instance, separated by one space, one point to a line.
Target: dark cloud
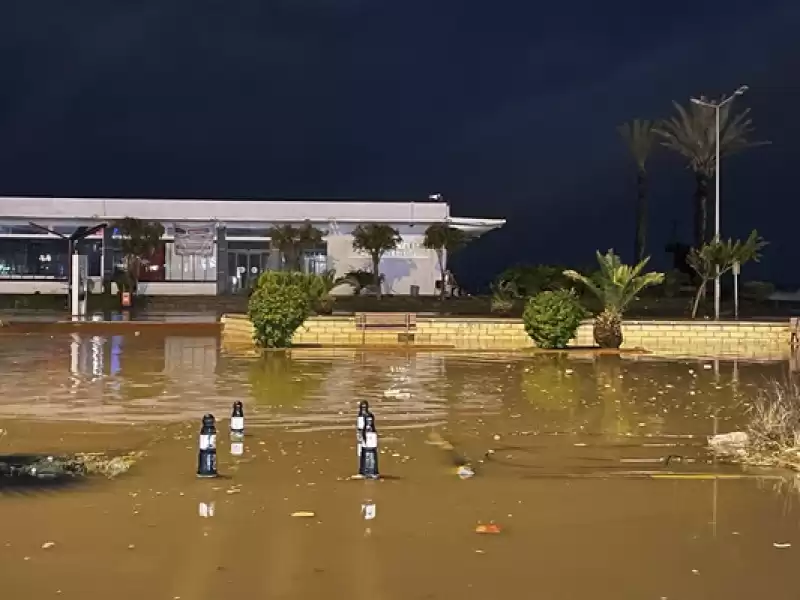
507 108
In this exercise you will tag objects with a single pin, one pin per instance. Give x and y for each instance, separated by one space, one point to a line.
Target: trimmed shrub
278 306
552 318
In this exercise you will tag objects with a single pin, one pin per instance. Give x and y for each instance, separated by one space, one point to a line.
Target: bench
401 322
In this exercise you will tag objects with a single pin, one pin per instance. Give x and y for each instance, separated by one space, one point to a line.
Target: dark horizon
508 112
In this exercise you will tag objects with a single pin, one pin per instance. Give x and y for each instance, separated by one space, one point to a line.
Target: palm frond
692 134
617 284
639 135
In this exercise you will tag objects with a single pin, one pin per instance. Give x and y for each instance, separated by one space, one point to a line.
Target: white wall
410 265
44 286
176 288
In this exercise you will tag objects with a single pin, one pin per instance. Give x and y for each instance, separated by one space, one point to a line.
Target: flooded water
569 454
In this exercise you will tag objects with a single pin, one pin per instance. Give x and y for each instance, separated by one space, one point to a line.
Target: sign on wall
404 250
194 239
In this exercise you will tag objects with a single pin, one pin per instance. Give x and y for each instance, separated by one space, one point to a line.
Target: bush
552 318
279 305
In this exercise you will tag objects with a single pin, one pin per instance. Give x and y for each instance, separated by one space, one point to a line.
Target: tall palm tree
692 134
444 239
616 286
376 240
639 135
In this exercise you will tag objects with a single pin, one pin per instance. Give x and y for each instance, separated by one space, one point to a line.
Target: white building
33 260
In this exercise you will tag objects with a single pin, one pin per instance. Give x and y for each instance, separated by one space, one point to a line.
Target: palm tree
443 238
291 241
692 134
615 285
639 135
376 240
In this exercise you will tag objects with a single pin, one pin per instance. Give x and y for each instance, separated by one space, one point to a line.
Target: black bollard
368 461
237 421
207 454
363 411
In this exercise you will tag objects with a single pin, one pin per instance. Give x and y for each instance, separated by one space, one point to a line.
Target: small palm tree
615 285
692 134
445 240
376 240
291 241
639 135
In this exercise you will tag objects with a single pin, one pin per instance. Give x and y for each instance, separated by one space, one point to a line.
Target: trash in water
779 545
490 528
303 513
465 472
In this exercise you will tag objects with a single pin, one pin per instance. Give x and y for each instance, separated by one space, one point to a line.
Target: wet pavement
568 453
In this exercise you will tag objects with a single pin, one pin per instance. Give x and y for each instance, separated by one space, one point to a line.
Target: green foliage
359 279
139 240
615 284
723 255
552 317
278 306
376 240
443 238
529 280
291 241
504 293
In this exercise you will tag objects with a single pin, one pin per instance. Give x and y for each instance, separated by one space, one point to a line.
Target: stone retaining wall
754 339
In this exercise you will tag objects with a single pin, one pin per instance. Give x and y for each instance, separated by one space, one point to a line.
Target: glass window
315 262
189 268
35 258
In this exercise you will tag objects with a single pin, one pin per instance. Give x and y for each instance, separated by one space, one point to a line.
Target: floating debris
304 514
490 528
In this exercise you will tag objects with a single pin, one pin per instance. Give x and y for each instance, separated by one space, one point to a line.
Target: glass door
245 267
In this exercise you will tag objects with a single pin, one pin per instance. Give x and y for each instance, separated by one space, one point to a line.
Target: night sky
508 109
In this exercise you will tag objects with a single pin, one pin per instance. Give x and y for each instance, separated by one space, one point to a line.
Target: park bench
403 323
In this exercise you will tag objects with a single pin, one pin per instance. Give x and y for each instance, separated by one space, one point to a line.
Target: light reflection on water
117 379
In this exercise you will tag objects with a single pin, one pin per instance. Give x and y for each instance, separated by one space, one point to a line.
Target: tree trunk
440 256
376 274
640 244
701 288
701 232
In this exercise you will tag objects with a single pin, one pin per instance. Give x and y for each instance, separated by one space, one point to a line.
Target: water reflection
175 378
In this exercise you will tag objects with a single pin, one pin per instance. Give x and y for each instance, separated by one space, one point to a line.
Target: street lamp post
717 106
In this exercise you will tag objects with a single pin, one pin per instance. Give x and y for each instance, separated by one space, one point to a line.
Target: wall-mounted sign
404 250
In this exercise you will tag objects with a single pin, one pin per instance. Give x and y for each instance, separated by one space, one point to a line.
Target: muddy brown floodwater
554 441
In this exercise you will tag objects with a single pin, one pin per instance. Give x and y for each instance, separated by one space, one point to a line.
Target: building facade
34 254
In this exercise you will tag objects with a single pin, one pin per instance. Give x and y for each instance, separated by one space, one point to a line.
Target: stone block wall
749 339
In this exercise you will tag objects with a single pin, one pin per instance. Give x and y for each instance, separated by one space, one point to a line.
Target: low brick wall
740 338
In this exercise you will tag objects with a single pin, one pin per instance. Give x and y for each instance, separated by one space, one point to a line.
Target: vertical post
75 284
717 286
736 267
223 277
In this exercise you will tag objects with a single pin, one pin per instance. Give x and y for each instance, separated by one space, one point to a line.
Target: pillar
223 277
